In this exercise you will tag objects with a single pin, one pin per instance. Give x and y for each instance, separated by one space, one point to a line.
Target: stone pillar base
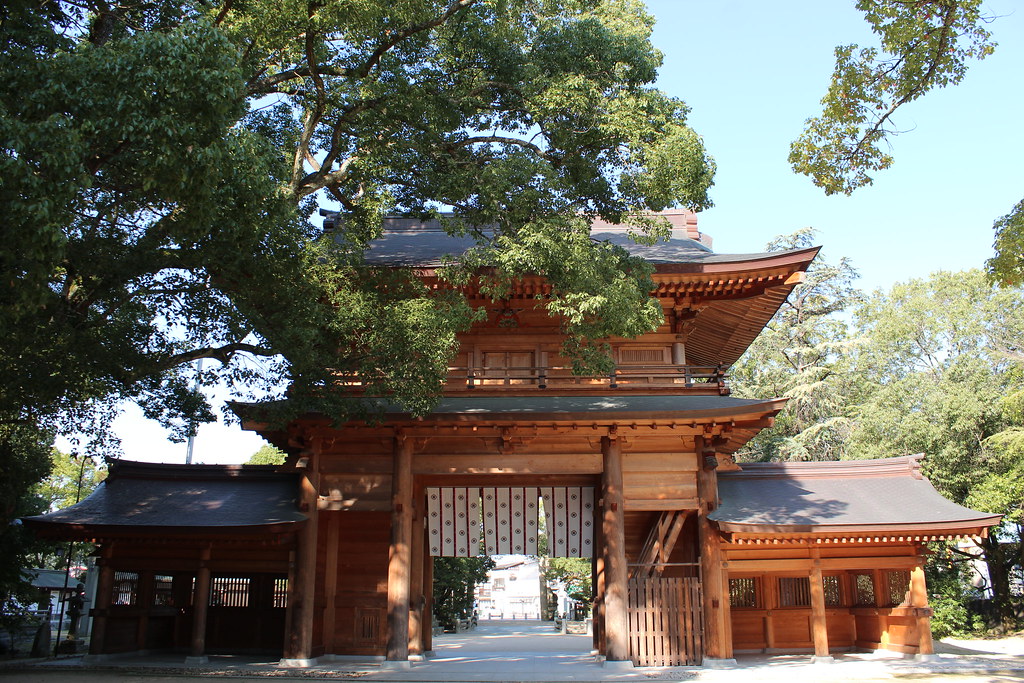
618 665
396 664
298 663
195 661
927 658
715 663
822 659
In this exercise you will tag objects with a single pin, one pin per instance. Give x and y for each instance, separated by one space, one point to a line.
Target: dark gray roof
413 243
496 408
619 406
51 579
868 495
183 498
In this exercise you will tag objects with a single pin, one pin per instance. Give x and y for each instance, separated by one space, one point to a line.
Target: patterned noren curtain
569 513
453 518
510 520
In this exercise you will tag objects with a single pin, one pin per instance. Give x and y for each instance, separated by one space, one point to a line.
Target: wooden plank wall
772 628
665 622
355 602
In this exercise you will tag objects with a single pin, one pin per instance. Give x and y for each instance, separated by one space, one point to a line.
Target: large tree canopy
161 160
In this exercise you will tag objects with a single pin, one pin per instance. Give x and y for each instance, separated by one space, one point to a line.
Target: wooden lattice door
666 626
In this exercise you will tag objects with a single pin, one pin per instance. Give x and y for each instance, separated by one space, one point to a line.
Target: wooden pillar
333 521
427 629
416 582
717 639
298 647
104 596
144 604
200 607
400 560
597 577
919 600
616 608
819 624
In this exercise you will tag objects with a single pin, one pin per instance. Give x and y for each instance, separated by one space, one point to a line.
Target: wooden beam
827 564
583 463
653 504
661 539
616 608
400 559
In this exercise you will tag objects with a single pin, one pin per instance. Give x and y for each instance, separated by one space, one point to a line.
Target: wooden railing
708 378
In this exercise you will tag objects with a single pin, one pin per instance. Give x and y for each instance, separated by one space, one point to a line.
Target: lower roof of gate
506 411
557 408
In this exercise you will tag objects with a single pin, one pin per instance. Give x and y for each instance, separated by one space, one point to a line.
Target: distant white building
512 590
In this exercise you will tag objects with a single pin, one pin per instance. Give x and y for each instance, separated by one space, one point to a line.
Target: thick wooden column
416 588
200 609
333 522
104 596
919 600
597 577
427 628
400 561
819 625
717 635
298 646
616 607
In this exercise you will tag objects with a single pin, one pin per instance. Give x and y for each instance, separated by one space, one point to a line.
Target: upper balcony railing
698 378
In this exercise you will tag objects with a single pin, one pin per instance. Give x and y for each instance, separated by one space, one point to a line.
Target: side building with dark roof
331 554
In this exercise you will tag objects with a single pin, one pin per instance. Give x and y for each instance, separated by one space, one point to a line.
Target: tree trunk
994 556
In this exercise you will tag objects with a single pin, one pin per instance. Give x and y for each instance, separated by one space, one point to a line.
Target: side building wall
872 595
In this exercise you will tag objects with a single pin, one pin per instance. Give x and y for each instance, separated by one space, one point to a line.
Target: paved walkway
534 651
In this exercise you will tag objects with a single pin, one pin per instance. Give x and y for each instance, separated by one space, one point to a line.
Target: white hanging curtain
510 520
453 521
569 513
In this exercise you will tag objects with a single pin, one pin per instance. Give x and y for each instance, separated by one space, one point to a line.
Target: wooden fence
666 625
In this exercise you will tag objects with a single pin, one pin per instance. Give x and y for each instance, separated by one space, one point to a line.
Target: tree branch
223 354
922 86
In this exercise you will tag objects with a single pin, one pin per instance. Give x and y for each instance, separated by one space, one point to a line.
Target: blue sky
753 71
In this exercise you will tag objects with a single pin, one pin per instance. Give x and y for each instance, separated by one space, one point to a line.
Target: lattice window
898 587
126 588
280 595
743 592
639 355
367 624
163 590
833 591
794 591
865 589
230 591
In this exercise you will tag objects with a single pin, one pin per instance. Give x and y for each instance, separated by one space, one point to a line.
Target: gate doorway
665 609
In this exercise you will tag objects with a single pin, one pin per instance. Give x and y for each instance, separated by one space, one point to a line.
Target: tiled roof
182 499
410 242
887 495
